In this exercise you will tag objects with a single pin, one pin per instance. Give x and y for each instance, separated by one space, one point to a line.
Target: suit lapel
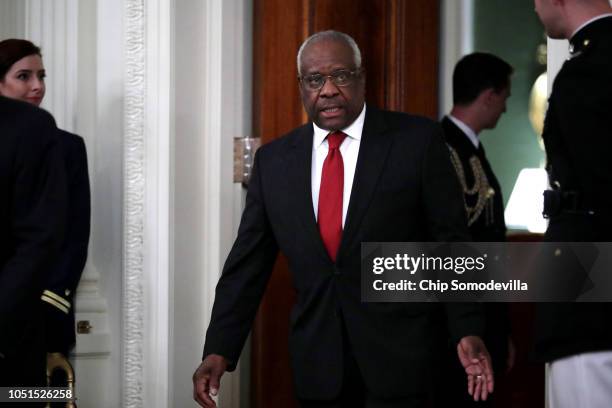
299 167
373 151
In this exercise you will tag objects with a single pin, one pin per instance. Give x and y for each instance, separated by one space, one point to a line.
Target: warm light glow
524 209
538 103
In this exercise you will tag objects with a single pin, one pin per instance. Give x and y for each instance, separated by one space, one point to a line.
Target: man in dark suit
32 212
481 86
353 175
577 338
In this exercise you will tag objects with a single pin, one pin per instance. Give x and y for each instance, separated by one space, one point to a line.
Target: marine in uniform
576 338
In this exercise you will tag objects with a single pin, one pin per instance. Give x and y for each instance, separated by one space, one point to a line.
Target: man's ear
485 98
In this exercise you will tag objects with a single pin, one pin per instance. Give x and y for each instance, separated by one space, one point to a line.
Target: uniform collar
582 37
471 135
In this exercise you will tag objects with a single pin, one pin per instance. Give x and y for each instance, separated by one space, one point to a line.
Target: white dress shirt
467 130
349 150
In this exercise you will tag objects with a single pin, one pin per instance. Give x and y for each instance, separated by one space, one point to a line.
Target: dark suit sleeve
446 219
36 219
65 273
244 278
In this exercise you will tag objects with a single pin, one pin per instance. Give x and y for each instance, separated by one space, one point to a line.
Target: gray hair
330 35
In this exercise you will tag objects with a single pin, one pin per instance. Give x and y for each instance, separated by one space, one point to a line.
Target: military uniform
32 211
485 212
578 139
482 193
65 273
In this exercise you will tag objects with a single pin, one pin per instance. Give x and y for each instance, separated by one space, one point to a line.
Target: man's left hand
476 360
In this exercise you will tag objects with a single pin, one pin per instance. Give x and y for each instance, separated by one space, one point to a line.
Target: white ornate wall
65 30
158 89
12 20
186 97
212 74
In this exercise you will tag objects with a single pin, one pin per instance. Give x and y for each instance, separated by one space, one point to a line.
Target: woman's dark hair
12 50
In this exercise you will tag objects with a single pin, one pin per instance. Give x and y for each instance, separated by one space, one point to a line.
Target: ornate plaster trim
134 203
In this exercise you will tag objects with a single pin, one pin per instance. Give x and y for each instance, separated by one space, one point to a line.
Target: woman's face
25 80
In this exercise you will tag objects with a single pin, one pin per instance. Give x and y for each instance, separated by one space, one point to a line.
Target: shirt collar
466 130
353 130
589 22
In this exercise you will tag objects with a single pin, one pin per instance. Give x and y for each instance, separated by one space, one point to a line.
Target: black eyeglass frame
352 74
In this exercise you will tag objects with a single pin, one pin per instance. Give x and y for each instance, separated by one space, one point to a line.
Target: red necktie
330 195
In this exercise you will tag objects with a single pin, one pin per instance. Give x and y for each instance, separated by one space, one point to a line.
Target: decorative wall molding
227 114
134 203
213 128
214 80
148 124
159 228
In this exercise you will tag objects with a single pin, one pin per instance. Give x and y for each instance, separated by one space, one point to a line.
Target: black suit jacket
32 212
404 190
65 272
578 140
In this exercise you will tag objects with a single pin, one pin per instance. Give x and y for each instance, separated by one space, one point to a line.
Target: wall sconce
525 205
538 98
538 103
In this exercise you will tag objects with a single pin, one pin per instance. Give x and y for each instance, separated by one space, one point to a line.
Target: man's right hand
206 380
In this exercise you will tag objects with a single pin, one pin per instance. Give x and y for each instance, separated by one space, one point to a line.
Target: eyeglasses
342 77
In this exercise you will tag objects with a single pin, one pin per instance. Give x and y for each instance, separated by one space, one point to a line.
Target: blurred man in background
481 86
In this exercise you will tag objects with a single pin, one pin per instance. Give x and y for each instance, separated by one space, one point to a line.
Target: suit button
337 270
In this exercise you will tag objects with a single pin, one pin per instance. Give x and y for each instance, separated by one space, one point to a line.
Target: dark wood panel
271 380
365 21
280 27
524 385
412 57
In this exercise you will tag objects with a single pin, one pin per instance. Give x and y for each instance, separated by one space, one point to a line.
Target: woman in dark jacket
22 77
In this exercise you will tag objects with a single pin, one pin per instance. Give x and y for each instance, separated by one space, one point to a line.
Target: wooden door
399 43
